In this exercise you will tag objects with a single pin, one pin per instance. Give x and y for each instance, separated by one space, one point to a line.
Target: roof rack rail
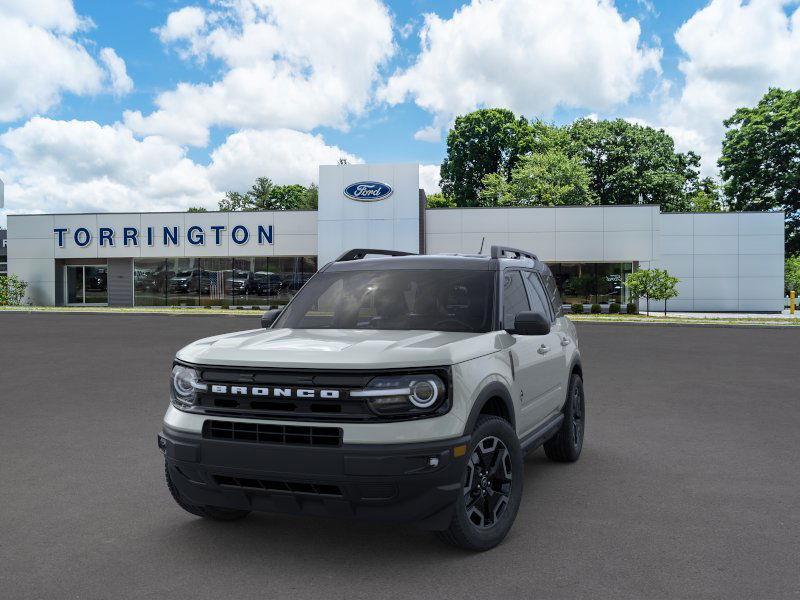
359 253
501 251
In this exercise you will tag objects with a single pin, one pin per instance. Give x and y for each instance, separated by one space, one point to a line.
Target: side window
551 288
515 298
539 302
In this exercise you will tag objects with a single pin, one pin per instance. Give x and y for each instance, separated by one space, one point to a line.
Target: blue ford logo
368 191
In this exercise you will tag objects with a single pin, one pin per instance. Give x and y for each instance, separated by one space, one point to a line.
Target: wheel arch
575 368
494 399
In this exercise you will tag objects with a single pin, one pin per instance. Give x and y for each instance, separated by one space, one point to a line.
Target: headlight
413 394
185 384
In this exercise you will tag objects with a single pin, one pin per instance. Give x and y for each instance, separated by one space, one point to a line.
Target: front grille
263 433
342 408
291 487
229 392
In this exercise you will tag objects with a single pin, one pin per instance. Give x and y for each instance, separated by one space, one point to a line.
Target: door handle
543 349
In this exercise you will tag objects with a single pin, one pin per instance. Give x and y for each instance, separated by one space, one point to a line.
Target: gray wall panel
120 282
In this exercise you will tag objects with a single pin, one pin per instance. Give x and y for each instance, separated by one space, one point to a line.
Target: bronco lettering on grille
275 392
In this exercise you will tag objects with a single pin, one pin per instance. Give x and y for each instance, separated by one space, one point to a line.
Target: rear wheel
566 444
491 488
208 512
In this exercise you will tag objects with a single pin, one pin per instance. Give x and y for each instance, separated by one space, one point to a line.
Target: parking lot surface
688 487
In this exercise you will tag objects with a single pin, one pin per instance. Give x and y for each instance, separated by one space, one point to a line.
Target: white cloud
184 24
283 155
734 51
81 166
531 56
429 178
121 83
58 15
41 58
287 64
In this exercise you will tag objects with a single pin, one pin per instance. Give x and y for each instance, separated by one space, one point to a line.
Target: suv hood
339 348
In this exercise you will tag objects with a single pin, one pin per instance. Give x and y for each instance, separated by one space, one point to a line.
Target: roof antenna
483 239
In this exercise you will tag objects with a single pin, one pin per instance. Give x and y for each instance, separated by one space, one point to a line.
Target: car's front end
378 444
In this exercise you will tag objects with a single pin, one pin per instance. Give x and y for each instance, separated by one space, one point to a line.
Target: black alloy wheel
487 488
491 488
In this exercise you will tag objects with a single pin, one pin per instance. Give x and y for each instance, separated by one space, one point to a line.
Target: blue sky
145 104
127 26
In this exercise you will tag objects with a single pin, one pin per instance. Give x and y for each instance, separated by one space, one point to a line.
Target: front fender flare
494 389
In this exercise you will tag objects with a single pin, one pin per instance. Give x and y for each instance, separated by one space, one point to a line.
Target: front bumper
378 482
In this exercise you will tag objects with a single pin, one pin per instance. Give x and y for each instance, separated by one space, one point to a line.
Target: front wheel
491 488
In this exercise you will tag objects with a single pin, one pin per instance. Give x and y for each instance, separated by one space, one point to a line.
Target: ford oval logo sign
368 191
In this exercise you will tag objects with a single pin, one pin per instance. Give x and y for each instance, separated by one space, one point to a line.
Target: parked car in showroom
240 282
402 388
190 281
267 283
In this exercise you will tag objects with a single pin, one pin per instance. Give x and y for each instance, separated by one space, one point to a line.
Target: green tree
485 141
760 162
627 161
495 190
439 200
265 195
312 197
666 287
12 290
706 196
288 197
234 201
791 277
643 284
259 197
549 179
197 209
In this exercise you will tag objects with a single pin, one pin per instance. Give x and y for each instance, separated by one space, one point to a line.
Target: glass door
86 284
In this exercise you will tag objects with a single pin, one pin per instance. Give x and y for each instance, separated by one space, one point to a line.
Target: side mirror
531 323
269 317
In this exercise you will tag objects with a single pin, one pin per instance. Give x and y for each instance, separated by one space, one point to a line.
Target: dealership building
725 261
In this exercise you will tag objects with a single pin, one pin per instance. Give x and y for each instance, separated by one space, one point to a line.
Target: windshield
437 300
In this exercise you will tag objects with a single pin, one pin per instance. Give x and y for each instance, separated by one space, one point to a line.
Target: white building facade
725 261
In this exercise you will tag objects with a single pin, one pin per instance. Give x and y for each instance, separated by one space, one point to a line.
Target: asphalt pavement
688 487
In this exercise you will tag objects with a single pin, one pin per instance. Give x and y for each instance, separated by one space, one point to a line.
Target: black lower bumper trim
402 483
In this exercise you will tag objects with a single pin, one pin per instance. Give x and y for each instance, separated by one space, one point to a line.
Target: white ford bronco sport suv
401 388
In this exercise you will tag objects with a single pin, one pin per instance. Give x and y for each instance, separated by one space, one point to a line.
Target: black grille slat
289 487
266 433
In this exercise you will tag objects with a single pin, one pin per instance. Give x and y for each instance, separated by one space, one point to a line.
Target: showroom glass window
223 281
86 284
590 283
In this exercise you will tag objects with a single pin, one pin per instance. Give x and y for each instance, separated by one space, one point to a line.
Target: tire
566 444
486 510
207 512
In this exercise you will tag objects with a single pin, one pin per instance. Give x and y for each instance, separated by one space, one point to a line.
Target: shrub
12 290
595 309
577 308
614 308
632 308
